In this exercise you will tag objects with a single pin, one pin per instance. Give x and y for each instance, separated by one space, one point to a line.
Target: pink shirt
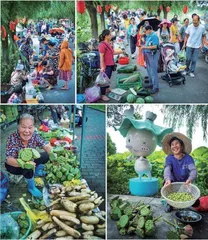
106 48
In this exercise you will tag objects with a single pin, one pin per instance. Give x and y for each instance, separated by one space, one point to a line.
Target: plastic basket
123 60
180 187
127 86
15 216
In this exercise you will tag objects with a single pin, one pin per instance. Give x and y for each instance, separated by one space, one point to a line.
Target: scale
117 94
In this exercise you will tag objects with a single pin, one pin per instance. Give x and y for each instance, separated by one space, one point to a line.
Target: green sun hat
147 124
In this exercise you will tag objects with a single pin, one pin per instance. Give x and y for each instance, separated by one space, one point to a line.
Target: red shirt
106 48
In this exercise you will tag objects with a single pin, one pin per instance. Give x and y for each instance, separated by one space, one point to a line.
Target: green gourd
140 100
131 98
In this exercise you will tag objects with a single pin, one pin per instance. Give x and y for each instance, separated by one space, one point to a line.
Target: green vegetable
149 99
131 98
141 222
131 78
122 231
21 163
115 213
26 154
128 211
35 153
149 228
145 211
140 232
180 197
29 166
172 235
124 220
140 100
127 69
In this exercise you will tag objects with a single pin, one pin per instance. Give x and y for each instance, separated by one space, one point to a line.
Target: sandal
63 88
105 98
108 90
49 87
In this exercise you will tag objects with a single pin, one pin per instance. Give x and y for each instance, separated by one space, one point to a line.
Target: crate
127 86
7 88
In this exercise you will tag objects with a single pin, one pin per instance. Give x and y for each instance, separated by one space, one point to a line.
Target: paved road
200 230
93 169
194 91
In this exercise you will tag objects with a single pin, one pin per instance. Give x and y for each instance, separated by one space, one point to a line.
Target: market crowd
44 56
148 34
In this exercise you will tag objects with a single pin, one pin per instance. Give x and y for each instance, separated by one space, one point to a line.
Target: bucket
143 187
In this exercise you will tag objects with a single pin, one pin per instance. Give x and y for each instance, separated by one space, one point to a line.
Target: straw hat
182 137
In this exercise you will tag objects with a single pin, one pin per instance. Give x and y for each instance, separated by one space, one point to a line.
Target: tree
111 146
91 8
188 115
115 114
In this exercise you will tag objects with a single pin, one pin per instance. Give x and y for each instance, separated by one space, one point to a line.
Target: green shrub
120 170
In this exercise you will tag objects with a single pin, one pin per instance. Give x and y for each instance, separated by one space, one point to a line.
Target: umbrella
56 30
154 22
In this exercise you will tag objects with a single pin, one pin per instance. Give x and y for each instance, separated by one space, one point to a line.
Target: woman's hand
187 182
168 182
102 69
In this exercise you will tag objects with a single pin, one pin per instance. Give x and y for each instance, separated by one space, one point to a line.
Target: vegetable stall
69 209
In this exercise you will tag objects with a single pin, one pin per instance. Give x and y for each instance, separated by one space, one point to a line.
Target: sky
120 141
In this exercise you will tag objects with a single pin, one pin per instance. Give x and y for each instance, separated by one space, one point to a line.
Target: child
173 64
16 97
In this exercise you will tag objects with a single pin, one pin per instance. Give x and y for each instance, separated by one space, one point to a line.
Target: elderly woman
26 137
179 165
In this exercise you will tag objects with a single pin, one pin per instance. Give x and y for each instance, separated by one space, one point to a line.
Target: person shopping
26 137
151 56
107 63
132 33
179 165
65 64
195 40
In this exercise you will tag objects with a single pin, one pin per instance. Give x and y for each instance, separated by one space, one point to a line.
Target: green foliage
188 115
120 170
111 147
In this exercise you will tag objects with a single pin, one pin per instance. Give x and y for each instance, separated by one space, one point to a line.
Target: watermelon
149 99
140 100
131 98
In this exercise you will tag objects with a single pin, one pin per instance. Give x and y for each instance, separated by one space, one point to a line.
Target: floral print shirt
14 144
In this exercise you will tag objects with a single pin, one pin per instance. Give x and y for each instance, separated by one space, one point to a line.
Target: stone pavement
93 169
195 89
200 229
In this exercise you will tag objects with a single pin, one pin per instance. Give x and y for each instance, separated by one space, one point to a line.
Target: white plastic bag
102 79
92 94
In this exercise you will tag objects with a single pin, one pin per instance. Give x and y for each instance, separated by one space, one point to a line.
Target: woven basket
180 187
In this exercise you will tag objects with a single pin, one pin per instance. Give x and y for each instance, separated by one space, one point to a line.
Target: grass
98 107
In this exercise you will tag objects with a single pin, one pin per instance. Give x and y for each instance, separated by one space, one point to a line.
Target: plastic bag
102 79
35 215
9 228
92 94
4 184
182 55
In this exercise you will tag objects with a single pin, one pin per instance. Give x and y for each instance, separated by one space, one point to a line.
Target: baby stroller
170 77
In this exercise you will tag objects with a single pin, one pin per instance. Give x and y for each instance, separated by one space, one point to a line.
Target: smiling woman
26 137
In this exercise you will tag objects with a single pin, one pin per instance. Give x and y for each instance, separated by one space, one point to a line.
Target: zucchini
132 78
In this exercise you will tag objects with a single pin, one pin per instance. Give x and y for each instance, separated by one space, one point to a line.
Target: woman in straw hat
179 165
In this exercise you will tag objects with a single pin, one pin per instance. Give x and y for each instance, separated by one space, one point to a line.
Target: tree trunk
5 50
93 18
102 20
